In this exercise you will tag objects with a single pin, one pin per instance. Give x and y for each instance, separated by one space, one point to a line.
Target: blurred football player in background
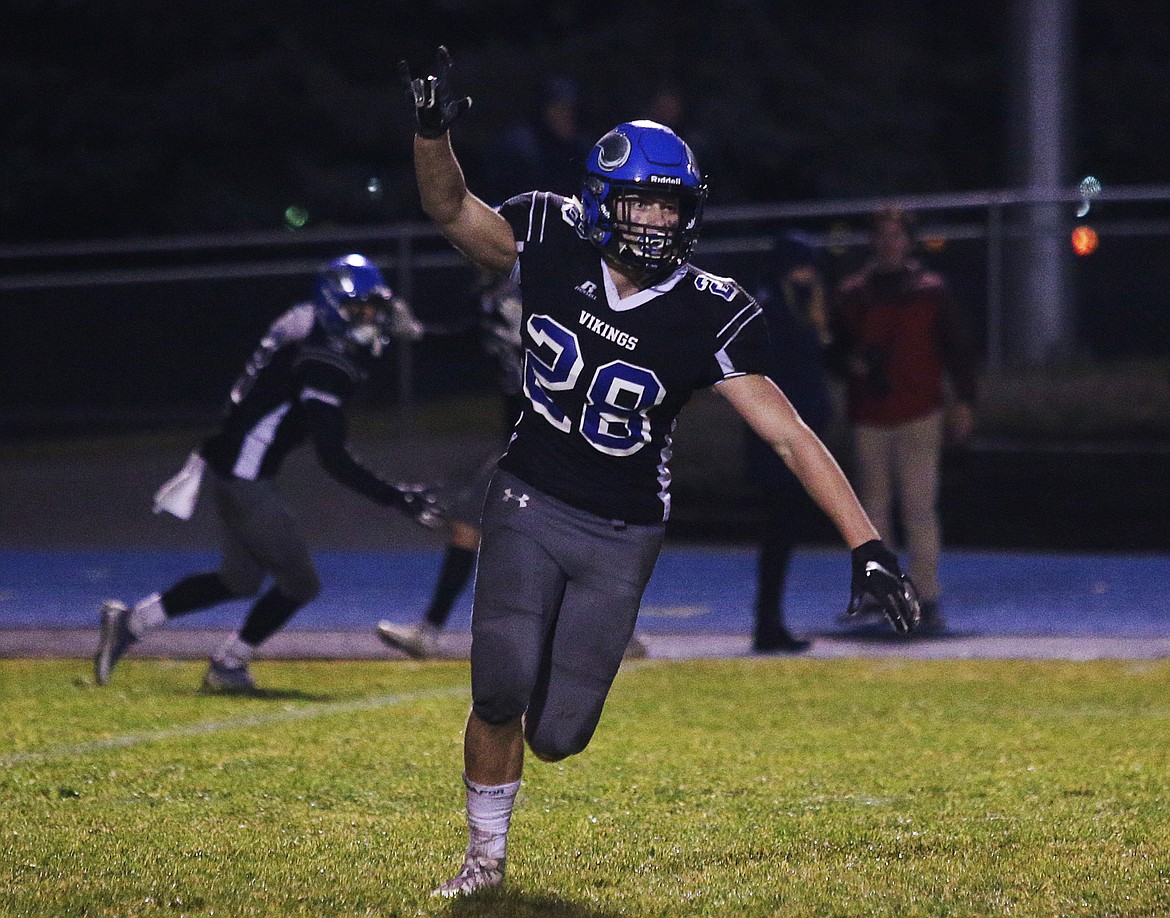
793 299
618 331
296 387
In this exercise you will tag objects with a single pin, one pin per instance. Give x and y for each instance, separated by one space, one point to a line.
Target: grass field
732 787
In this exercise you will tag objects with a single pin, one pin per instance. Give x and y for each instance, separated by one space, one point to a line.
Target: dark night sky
125 118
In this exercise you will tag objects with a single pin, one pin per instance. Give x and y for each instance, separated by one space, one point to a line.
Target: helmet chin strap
641 277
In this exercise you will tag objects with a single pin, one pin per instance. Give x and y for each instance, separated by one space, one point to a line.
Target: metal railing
990 221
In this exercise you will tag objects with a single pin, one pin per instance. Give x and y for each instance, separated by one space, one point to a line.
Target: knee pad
551 745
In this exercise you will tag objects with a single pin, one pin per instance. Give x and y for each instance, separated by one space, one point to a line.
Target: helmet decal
613 151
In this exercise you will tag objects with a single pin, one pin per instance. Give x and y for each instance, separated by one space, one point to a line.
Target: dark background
122 121
124 118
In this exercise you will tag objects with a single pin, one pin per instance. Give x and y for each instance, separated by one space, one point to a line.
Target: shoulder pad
573 214
293 325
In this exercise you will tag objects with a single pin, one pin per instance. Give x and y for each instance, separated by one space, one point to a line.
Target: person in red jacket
907 354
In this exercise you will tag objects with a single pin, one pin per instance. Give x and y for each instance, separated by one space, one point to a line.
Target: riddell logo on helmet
665 180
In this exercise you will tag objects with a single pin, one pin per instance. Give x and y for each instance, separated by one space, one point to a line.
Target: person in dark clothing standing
794 304
901 338
543 151
295 387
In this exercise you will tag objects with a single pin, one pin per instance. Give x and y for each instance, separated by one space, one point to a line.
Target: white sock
489 812
233 653
147 615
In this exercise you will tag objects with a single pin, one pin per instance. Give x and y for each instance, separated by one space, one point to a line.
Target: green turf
740 787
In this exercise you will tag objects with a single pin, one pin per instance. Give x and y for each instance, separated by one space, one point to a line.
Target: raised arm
468 223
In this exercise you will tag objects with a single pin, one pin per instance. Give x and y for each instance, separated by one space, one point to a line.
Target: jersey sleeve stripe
320 395
728 334
531 218
738 319
543 218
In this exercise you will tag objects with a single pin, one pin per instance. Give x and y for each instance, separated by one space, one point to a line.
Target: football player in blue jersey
619 329
295 387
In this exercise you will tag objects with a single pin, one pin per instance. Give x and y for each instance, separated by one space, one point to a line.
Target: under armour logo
521 499
589 289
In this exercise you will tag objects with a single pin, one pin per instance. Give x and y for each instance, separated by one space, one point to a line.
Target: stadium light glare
1084 240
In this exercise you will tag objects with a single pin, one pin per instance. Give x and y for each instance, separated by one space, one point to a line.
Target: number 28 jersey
605 378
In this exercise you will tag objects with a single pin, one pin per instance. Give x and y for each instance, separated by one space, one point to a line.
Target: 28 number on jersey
615 417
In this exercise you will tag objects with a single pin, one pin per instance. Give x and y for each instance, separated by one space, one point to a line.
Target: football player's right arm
327 429
468 223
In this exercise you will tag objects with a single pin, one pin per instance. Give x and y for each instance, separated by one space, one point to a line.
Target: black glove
421 503
433 108
879 582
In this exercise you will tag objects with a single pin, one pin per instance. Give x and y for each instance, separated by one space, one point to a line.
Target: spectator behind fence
546 150
792 297
900 339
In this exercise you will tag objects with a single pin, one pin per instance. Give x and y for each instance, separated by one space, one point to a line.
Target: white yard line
204 728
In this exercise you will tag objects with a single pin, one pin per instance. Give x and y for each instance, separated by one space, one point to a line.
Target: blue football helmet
352 302
640 159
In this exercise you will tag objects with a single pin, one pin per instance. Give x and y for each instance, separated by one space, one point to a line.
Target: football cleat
116 638
228 679
420 642
478 873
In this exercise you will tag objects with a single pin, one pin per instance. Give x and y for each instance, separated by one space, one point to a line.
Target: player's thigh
264 528
596 620
239 569
518 588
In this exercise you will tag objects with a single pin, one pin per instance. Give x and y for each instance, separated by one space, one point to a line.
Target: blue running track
694 591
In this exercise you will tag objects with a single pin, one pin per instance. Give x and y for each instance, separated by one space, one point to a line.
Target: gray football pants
259 536
556 599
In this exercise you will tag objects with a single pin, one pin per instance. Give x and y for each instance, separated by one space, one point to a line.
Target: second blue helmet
351 302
